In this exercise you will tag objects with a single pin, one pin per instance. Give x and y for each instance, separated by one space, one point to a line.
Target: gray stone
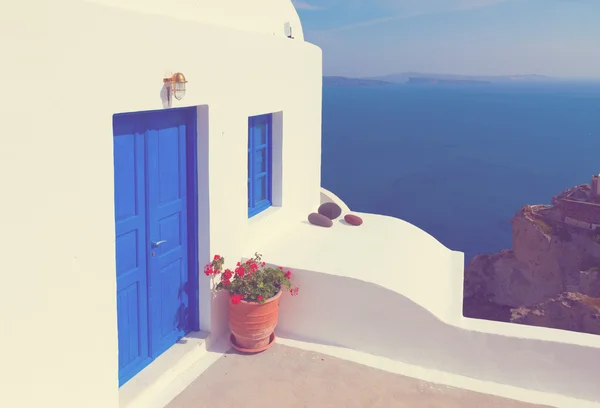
320 220
330 210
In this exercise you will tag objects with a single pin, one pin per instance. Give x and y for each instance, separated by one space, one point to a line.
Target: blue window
259 163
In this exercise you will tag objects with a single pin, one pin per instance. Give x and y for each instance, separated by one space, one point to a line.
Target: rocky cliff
567 311
549 278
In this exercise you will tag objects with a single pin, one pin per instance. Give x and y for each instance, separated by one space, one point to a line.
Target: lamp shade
179 82
179 90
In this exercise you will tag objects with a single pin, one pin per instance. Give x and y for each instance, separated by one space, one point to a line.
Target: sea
458 161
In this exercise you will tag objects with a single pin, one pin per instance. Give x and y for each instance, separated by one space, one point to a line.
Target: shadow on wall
340 311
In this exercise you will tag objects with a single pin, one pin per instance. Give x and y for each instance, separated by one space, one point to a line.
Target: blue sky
476 37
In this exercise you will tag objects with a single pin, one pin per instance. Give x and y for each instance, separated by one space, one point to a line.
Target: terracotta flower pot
252 324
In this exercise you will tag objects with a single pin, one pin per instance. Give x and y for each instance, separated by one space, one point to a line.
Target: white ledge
391 290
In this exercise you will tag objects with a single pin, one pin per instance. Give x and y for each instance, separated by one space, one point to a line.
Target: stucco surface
258 16
286 377
75 65
389 289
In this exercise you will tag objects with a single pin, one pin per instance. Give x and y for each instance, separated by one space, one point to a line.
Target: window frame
255 208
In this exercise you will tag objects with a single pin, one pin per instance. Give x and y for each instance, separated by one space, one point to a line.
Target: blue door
151 212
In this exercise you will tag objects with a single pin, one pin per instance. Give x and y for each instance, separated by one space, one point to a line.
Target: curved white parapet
328 197
389 289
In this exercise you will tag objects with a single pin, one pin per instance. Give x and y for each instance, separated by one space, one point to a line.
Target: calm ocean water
459 161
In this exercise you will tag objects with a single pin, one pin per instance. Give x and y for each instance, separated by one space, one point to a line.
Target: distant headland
436 81
428 78
344 81
406 76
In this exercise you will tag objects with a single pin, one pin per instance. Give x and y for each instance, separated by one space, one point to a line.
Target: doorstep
156 385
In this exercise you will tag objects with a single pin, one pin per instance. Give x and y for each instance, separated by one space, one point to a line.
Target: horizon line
462 75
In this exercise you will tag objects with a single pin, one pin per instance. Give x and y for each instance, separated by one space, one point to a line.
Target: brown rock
320 220
330 210
538 267
353 219
550 277
567 311
589 282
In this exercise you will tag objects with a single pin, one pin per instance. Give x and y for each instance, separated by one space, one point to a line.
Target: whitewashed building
117 187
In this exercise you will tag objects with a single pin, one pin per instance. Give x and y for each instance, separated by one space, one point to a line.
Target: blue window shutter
259 163
250 195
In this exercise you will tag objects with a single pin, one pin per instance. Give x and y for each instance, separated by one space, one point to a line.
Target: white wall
359 315
389 289
66 71
257 16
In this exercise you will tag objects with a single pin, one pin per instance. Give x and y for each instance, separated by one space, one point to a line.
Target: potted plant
254 289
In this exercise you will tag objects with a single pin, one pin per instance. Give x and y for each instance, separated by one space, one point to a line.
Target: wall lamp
176 86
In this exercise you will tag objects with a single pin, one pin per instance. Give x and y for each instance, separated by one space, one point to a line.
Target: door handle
159 243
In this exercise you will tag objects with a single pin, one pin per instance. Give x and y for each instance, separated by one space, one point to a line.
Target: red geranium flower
208 270
240 271
250 279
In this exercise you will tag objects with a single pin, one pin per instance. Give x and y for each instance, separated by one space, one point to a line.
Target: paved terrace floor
285 377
